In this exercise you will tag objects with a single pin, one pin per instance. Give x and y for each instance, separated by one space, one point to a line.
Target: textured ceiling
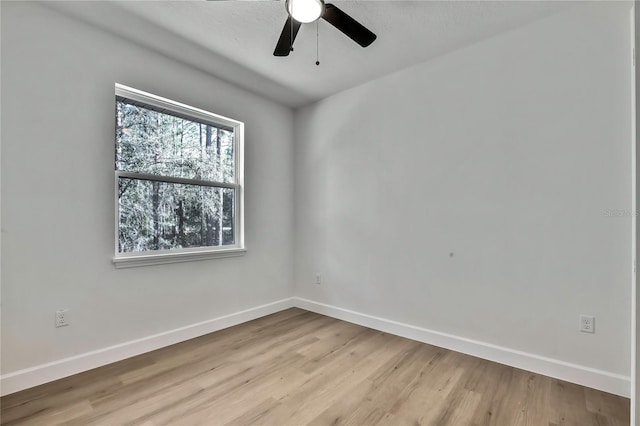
234 40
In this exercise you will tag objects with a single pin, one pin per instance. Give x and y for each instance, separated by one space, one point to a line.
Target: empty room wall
485 194
58 78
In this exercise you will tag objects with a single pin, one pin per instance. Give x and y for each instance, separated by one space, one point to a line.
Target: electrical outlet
318 279
62 318
587 324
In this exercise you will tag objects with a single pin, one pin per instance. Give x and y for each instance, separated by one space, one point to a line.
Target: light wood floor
297 367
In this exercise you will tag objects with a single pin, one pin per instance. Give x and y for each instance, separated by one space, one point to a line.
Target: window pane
153 142
161 215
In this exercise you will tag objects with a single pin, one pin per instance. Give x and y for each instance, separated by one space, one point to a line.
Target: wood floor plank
209 371
360 386
306 400
296 368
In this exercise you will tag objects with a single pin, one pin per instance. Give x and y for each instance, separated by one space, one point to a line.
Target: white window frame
132 259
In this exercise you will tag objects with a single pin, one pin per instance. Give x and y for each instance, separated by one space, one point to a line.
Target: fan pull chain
291 38
317 43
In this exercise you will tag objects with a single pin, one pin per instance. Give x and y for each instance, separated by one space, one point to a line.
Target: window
178 177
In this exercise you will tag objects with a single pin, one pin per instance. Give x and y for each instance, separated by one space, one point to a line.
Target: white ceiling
234 40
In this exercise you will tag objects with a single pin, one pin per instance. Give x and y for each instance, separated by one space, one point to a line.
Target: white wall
58 80
507 154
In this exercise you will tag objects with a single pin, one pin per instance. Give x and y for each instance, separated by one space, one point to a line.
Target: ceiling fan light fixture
305 11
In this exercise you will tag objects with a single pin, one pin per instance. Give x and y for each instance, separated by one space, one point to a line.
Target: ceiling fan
307 11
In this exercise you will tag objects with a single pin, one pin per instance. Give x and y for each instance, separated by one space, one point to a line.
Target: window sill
162 258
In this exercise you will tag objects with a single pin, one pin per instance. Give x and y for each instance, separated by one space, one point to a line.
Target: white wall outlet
62 318
587 324
318 279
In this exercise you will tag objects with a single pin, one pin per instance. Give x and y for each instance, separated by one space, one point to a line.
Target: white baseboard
586 376
40 374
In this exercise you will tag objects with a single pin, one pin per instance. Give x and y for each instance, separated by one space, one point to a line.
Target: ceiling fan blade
288 35
349 26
